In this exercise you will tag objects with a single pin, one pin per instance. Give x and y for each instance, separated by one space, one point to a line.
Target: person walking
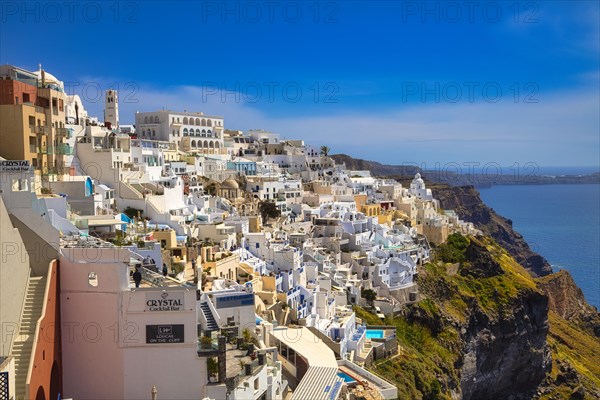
165 271
137 277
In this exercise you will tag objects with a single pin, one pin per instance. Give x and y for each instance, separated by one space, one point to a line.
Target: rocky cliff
467 203
486 329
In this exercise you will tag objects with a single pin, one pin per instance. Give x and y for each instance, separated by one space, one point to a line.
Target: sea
560 222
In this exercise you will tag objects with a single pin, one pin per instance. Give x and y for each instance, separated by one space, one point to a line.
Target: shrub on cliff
453 251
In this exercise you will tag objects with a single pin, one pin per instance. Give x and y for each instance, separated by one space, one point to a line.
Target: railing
42 130
61 149
63 132
153 278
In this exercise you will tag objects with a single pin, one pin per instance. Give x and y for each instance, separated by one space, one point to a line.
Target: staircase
210 319
34 301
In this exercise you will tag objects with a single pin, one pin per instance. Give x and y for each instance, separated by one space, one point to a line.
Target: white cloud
561 129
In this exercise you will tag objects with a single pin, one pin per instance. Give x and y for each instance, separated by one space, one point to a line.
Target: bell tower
111 108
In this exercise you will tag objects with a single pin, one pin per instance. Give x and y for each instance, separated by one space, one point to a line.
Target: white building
192 131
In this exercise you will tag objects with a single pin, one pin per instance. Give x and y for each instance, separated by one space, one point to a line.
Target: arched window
197 121
185 120
156 121
193 143
146 119
197 132
185 131
191 121
205 144
209 122
203 123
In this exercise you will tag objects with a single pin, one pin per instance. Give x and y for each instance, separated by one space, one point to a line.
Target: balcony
49 170
61 149
63 132
64 149
41 130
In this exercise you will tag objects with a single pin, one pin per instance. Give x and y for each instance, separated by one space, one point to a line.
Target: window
31 120
19 185
93 279
26 98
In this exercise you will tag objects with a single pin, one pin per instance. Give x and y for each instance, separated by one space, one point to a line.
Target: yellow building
23 134
371 210
32 120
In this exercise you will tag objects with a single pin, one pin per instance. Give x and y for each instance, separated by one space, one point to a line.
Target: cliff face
507 356
489 320
465 201
377 169
574 340
486 329
566 299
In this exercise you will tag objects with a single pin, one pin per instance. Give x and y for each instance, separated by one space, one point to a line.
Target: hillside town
177 259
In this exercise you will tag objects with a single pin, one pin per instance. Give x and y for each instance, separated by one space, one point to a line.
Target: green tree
325 150
369 295
268 209
453 251
133 212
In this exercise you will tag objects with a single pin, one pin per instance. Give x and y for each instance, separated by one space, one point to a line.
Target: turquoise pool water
374 334
347 378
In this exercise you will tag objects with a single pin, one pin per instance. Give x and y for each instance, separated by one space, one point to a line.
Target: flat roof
105 222
307 344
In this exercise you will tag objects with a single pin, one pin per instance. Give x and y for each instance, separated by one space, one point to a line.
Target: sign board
14 165
164 301
237 300
156 334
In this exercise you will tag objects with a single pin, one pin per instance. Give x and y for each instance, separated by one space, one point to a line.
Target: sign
238 300
14 165
164 301
156 334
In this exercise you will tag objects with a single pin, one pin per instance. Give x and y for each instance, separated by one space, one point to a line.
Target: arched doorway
54 382
40 395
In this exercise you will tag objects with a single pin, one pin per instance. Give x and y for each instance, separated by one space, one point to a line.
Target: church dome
418 180
230 184
49 79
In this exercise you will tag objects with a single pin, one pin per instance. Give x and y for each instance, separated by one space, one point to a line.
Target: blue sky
398 82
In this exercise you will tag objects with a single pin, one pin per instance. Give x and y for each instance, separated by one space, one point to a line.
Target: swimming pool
374 334
347 378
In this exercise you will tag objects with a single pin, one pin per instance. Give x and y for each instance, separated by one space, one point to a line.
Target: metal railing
62 132
42 130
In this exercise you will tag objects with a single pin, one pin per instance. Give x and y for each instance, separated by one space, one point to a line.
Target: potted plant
205 342
213 369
